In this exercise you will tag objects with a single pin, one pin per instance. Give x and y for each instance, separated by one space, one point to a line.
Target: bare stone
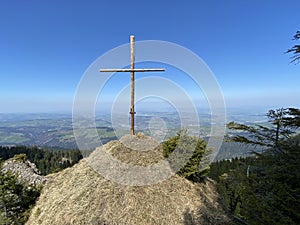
26 172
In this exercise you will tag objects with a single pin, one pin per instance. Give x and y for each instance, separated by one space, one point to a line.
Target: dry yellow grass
80 195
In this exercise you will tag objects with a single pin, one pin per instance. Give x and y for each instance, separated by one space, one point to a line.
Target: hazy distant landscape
55 131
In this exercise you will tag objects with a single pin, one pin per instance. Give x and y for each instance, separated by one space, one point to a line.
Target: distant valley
55 131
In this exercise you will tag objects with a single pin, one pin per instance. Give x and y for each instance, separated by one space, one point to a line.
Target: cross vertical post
132 71
132 112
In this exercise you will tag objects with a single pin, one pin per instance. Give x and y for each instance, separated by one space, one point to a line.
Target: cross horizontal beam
131 70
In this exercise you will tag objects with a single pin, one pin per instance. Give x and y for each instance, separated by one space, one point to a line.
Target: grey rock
26 172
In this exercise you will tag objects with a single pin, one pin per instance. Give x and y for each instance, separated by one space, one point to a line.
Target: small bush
190 152
20 157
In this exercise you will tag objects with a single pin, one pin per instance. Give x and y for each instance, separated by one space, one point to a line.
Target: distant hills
55 131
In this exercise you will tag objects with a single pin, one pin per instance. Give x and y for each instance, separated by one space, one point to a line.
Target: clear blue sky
45 46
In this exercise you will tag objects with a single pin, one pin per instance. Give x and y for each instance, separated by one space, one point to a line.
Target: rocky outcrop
26 171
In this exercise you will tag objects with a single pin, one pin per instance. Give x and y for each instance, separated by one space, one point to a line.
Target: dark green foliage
295 49
265 188
16 199
188 151
261 190
46 161
283 123
294 118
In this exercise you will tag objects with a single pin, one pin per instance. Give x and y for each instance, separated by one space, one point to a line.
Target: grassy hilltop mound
80 195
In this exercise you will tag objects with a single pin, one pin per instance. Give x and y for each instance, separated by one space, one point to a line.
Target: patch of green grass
13 138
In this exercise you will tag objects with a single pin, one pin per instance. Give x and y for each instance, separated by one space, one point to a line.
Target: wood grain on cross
132 70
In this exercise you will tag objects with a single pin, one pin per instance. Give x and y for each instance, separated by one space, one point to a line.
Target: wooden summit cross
132 70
